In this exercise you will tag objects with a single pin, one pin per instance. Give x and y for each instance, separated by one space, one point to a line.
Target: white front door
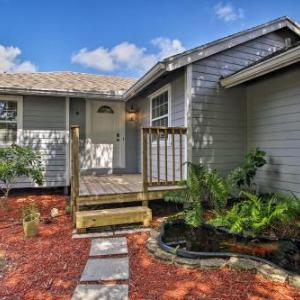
106 134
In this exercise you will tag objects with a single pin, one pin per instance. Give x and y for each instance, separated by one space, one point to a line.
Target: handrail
158 142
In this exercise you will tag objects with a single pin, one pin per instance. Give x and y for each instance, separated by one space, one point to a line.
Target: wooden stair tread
111 211
113 216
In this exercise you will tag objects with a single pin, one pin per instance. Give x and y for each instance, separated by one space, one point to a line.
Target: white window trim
19 100
154 95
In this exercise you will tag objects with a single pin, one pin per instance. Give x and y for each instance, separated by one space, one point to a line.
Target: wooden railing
161 144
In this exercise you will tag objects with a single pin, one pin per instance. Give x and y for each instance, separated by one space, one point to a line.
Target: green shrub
68 209
17 161
201 183
242 177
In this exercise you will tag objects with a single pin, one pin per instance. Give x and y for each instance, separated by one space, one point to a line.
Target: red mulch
151 279
45 267
49 266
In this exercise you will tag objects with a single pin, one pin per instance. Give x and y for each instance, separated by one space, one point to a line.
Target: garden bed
210 242
164 276
49 266
45 267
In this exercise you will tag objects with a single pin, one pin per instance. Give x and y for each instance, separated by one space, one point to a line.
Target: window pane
163 122
8 111
8 132
160 105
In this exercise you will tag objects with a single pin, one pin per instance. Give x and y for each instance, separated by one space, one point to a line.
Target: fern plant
200 183
255 214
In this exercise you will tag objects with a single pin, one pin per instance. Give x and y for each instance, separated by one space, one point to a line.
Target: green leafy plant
30 212
17 161
254 215
200 183
68 209
242 177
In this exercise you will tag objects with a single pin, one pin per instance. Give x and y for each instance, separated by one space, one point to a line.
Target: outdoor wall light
132 114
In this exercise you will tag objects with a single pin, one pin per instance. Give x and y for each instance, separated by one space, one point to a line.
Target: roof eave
272 64
188 57
156 71
57 93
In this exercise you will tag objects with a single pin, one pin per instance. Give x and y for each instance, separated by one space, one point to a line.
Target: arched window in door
105 109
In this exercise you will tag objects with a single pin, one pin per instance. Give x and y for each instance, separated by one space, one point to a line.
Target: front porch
107 189
162 171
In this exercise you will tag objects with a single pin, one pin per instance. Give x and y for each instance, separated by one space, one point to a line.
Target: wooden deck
88 191
104 189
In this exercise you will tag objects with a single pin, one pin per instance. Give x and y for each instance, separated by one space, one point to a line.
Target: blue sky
119 37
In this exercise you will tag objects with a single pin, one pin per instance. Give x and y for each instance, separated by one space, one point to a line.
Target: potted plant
31 219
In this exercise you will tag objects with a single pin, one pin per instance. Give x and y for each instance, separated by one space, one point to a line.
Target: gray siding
142 103
131 132
273 124
44 123
219 115
77 114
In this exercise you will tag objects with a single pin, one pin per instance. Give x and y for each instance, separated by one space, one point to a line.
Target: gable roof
65 84
187 57
270 63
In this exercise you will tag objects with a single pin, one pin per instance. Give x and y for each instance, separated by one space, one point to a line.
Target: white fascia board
148 78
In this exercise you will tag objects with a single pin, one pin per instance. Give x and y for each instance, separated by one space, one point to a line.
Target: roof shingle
65 82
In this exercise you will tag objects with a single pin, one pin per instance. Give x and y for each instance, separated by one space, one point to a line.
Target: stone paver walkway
109 246
99 267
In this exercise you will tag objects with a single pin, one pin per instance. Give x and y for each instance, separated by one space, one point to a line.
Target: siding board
219 115
273 125
44 130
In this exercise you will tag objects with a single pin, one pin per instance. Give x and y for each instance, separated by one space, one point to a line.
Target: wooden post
166 155
145 163
74 169
158 155
150 156
173 155
180 154
145 160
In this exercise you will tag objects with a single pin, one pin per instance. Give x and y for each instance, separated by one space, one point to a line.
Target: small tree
17 161
242 177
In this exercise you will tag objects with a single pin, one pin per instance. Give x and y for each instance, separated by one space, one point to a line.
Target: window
105 109
9 120
160 108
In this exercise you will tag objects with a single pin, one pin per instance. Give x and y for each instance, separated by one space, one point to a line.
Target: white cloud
98 58
167 47
127 56
227 12
10 63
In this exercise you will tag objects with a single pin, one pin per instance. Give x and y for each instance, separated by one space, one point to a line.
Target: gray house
232 95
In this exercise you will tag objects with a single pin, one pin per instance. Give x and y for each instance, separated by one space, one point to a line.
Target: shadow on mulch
45 267
152 279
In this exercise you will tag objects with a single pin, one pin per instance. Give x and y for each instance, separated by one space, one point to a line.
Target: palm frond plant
201 183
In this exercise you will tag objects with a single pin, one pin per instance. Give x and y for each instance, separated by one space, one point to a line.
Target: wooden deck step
113 216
